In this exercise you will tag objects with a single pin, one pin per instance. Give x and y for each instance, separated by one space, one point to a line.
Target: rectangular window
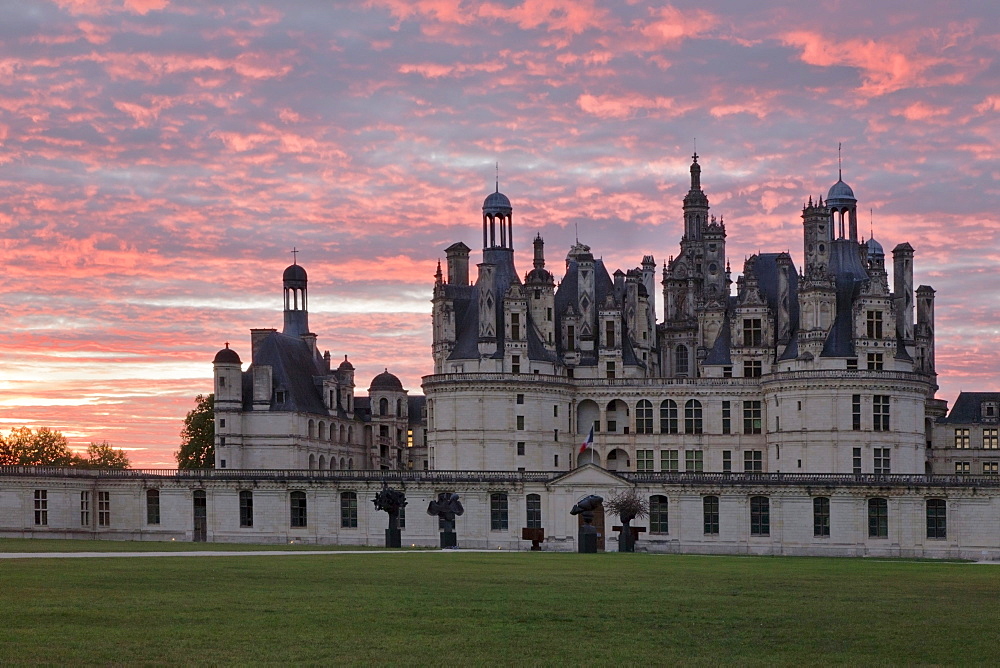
874 322
515 326
555 461
962 438
85 509
520 448
669 461
610 369
570 337
752 369
643 460
753 332
533 511
710 505
498 511
875 362
751 417
852 364
515 364
878 518
856 412
41 507
991 468
727 425
555 410
727 461
644 417
856 463
727 372
520 422
753 461
246 508
760 516
821 516
694 461
963 468
937 520
880 412
609 333
880 461
152 506
658 519
990 440
299 511
104 509
222 422
349 510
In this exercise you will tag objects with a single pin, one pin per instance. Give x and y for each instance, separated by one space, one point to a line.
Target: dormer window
990 411
279 396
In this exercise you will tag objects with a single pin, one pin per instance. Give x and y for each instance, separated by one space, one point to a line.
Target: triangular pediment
589 474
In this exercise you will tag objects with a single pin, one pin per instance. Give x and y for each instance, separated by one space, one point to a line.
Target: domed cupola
296 306
498 231
227 356
843 206
385 381
876 255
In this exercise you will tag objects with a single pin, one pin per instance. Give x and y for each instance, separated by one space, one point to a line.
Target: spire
498 176
539 252
840 164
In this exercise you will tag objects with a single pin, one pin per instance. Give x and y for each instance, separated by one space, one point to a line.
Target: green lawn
498 608
60 545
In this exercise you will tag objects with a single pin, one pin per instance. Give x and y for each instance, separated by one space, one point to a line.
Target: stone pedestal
449 539
393 538
587 540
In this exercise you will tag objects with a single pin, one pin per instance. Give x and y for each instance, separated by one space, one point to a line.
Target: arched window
350 464
341 439
322 462
760 516
658 514
878 518
350 434
312 461
399 408
333 463
298 507
342 466
152 506
692 417
312 429
349 510
668 416
383 406
681 360
322 431
533 514
937 526
644 417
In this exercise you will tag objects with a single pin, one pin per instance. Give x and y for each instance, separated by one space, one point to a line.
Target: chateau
792 413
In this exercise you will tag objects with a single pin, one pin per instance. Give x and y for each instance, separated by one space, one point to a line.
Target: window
852 364
752 369
222 381
520 398
990 440
681 360
710 505
962 438
991 468
520 448
555 461
668 416
753 461
727 426
152 506
555 410
963 468
349 510
222 422
246 508
555 435
753 332
821 516
937 521
751 417
609 333
874 322
515 364
520 422
727 372
515 326
669 461
878 518
658 514
880 412
875 362
570 337
727 461
856 412
694 461
104 509
643 460
692 417
299 517
610 369
41 507
856 463
85 509
760 516
533 511
498 511
880 459
644 417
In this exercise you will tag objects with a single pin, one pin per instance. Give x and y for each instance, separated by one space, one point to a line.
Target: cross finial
295 255
227 345
840 164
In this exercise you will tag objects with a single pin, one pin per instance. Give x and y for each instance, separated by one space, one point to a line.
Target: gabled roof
968 408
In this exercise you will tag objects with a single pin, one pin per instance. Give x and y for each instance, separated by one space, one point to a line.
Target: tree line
25 446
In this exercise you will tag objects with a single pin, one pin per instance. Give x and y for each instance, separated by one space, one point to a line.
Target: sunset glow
159 160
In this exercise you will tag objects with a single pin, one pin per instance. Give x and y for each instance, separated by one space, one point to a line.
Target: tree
103 456
42 447
197 450
627 505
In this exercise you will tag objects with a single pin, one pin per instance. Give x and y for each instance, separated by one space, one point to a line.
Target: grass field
497 608
60 545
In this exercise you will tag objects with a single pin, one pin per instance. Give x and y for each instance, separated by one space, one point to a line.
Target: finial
295 255
227 345
840 164
576 229
498 176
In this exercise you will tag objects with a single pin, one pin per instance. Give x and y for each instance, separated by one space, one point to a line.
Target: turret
902 293
296 306
458 264
925 329
695 204
228 380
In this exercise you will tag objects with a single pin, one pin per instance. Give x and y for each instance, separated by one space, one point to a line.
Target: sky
159 160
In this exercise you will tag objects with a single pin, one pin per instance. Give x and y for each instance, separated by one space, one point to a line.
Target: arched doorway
588 415
618 460
200 517
598 524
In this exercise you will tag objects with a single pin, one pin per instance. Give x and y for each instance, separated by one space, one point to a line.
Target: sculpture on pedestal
391 501
585 507
447 507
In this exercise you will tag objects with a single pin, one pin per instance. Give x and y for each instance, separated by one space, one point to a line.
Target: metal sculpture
585 507
446 507
391 501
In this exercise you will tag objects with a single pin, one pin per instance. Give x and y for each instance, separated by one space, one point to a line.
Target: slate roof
849 276
968 408
294 365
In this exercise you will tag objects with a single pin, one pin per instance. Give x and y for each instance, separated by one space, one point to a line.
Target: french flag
589 443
